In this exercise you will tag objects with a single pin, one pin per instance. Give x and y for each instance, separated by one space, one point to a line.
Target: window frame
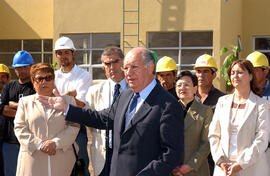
179 48
88 66
42 52
254 42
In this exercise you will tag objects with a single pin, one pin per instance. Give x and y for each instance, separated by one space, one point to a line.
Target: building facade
181 29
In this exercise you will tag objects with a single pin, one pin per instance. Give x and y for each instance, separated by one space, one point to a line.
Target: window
89 48
262 44
183 47
40 49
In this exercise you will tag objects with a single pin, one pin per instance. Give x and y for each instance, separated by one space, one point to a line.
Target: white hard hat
64 43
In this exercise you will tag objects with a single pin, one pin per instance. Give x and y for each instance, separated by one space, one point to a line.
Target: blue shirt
144 94
123 87
266 91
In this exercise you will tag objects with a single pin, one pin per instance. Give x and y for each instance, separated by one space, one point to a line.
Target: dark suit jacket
154 140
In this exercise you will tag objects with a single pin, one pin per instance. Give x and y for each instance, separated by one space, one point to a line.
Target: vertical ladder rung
125 12
130 10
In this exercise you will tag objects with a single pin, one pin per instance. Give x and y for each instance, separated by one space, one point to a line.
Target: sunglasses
39 79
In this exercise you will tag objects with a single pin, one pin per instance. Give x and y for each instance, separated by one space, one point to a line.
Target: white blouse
235 119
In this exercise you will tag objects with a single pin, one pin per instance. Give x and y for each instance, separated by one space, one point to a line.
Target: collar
186 108
266 88
73 70
122 83
210 91
147 90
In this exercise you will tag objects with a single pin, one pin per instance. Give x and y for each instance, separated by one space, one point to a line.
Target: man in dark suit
147 122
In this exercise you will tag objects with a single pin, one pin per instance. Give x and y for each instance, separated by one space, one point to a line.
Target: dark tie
131 109
116 92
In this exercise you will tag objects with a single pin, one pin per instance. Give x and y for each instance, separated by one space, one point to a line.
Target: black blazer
153 143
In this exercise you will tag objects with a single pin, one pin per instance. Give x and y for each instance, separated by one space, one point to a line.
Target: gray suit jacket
197 148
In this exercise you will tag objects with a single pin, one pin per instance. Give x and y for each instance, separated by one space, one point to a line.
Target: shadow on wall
172 20
171 23
13 26
172 15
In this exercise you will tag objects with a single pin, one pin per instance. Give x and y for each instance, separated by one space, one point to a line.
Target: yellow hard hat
166 64
258 59
206 60
4 69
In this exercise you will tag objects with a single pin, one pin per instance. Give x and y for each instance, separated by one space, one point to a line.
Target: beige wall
27 19
101 16
255 22
181 15
83 16
32 19
162 15
229 30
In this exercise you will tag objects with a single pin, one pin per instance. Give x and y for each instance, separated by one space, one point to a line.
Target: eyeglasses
131 67
108 64
39 79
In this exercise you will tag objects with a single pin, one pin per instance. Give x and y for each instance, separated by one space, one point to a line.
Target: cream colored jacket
32 128
252 137
98 99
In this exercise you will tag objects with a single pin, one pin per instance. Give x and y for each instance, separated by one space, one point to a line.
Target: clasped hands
230 168
48 147
181 170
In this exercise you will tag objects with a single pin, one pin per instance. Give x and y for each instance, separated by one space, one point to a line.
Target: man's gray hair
111 50
148 58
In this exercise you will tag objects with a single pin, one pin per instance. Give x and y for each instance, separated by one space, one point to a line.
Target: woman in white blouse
45 137
238 133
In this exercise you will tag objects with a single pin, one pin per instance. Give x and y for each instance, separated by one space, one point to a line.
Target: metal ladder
128 37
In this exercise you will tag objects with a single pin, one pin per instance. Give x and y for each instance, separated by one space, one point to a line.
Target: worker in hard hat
205 70
166 71
5 76
10 95
261 69
73 81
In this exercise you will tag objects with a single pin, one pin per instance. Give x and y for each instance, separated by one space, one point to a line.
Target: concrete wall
27 19
101 16
255 21
31 19
229 30
83 16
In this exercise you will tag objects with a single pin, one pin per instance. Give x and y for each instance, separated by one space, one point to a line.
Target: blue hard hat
22 58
